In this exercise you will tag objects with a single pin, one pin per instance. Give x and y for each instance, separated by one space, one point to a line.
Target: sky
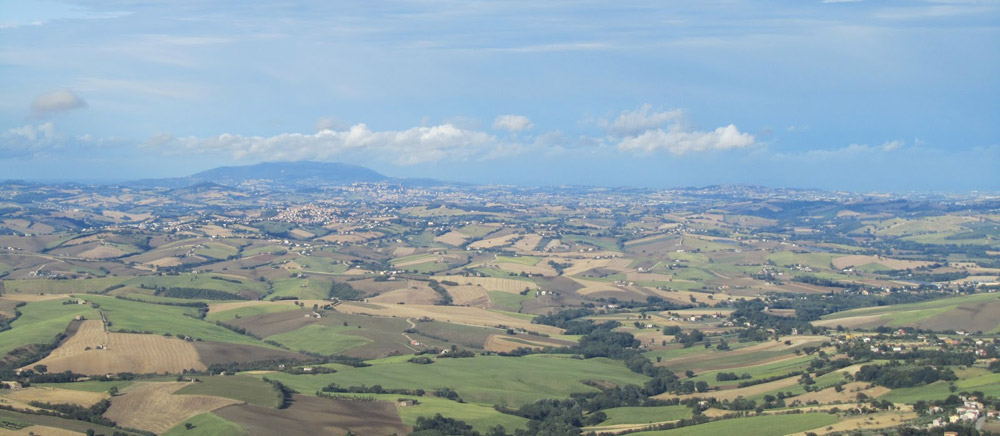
888 96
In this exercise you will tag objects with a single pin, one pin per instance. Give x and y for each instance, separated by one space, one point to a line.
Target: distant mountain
290 174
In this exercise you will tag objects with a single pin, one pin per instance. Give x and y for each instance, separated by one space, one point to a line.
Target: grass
305 289
249 311
972 380
207 424
507 301
159 319
320 339
40 322
643 415
756 371
240 388
757 425
523 260
511 381
606 244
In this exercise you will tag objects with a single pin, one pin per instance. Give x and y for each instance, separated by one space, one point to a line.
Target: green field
207 424
159 319
969 381
757 425
40 322
912 313
508 301
304 289
320 339
523 260
240 388
512 381
643 415
249 311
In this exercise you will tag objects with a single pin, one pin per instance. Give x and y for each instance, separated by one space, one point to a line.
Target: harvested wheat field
492 242
39 430
452 238
458 315
849 394
491 283
866 422
315 416
466 295
528 242
93 351
20 398
732 394
153 407
422 295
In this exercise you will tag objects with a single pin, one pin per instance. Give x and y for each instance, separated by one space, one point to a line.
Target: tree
41 369
188 426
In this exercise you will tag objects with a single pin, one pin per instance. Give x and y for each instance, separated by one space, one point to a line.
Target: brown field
859 260
125 352
467 295
403 251
491 283
518 268
21 397
582 265
849 394
166 261
528 242
153 407
732 394
492 242
421 295
218 352
455 314
454 238
852 321
102 252
313 416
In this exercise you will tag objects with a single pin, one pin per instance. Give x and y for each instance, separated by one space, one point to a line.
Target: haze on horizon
834 94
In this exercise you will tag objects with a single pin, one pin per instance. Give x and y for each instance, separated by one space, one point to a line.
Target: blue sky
854 95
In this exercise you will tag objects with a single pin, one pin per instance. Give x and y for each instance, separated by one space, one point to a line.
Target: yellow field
498 343
468 295
153 407
850 393
864 422
125 352
493 242
732 394
459 315
452 238
102 252
421 295
20 398
39 430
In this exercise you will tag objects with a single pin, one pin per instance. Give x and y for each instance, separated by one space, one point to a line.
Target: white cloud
26 140
512 123
56 101
679 141
640 120
403 147
892 145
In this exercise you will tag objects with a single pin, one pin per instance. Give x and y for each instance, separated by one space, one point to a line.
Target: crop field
207 424
40 322
93 351
240 388
134 316
19 398
320 339
972 313
314 415
492 283
511 382
305 289
460 315
768 424
154 407
642 415
466 295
